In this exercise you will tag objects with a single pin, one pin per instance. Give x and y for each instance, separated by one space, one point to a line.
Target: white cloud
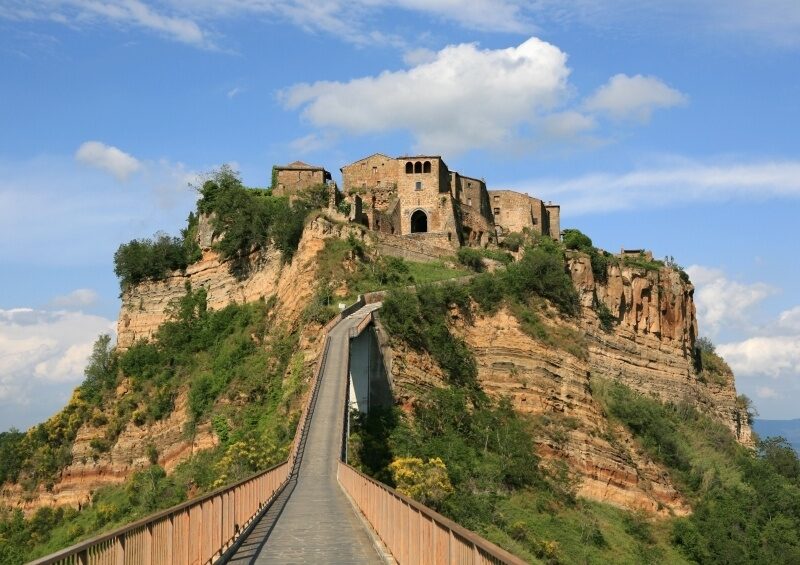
790 319
772 356
722 302
773 22
235 91
466 97
108 158
624 97
126 13
47 345
76 299
42 357
679 183
312 142
419 56
766 392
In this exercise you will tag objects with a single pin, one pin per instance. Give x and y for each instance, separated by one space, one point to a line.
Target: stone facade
295 177
515 212
419 194
403 196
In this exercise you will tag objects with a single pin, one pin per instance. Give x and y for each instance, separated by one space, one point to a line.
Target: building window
496 198
409 168
374 170
418 185
417 167
497 211
469 185
469 201
379 183
426 168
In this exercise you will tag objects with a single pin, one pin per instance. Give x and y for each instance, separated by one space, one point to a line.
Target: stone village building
418 196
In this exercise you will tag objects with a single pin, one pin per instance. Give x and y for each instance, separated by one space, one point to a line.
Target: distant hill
790 429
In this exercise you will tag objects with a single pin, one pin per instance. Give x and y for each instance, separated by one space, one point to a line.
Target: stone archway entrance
419 222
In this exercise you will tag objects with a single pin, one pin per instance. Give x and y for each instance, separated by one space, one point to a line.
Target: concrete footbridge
313 508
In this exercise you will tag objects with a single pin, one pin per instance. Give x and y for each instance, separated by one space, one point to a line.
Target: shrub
101 372
471 258
426 482
607 319
487 290
513 241
600 262
542 272
392 271
575 239
149 259
249 219
496 255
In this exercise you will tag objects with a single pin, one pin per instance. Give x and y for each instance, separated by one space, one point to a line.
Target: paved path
312 521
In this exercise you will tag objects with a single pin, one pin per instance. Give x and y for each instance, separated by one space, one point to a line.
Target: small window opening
418 185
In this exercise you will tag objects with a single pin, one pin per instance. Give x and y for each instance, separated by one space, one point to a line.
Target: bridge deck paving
312 521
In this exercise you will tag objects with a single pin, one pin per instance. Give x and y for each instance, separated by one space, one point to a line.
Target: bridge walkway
312 521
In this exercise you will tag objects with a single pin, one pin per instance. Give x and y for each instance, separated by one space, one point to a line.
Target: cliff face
131 452
146 306
651 347
650 350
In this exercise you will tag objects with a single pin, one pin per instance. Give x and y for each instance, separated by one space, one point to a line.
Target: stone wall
515 212
377 171
293 181
472 192
477 231
554 220
422 247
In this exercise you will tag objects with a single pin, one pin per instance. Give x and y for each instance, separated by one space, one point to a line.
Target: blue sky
665 125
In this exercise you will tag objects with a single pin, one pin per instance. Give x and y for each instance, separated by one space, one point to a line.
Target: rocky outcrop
131 452
650 349
146 306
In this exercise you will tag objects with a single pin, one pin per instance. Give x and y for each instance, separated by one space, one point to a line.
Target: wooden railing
201 530
414 533
197 531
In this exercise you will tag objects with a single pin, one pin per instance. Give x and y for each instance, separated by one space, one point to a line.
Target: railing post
148 544
169 539
119 550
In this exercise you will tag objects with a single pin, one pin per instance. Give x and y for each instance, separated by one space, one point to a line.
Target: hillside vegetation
471 457
241 371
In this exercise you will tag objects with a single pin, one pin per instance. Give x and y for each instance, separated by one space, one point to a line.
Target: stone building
514 212
404 196
288 180
419 197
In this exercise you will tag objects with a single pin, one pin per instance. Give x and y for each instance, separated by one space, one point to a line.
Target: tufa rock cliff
650 349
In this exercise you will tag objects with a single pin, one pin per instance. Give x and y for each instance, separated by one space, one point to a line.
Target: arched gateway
419 222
